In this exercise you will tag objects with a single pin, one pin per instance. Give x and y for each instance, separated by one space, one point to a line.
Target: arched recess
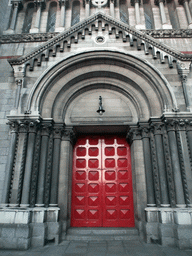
146 91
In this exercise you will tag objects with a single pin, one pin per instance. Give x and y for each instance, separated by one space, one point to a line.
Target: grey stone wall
4 19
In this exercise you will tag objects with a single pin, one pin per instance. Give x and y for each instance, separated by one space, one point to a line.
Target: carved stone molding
169 33
134 133
69 134
57 131
145 130
14 126
170 124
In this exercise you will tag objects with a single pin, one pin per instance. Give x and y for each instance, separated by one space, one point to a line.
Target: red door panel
102 183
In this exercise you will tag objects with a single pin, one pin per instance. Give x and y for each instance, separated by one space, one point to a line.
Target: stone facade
56 59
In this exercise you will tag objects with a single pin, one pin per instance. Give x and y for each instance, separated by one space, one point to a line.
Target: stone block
183 244
37 241
23 243
166 230
167 241
183 232
8 231
151 215
182 217
54 231
7 217
166 216
22 217
8 243
23 231
52 215
39 229
38 216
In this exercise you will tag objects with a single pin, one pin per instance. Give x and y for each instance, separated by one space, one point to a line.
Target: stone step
100 234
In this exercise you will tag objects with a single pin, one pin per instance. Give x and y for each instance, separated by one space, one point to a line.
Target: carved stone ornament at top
33 125
69 135
181 125
13 125
170 124
23 126
133 134
57 132
46 129
188 123
157 128
99 3
145 131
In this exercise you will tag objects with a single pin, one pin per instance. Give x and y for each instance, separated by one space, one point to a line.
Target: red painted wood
102 183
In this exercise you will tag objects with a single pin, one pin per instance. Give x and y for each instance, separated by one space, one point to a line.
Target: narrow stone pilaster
183 71
136 4
157 130
187 12
14 15
148 165
29 164
180 199
39 4
165 25
67 142
87 8
185 160
62 4
45 131
19 165
112 8
10 163
57 132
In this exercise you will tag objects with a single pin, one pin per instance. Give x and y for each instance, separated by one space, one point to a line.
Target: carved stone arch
127 72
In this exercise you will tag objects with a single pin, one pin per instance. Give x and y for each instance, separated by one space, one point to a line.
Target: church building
95 121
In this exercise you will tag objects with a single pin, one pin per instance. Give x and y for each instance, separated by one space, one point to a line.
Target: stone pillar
19 165
45 131
57 132
66 159
157 129
14 15
185 160
138 171
87 8
183 71
180 199
10 163
188 13
61 28
136 4
165 25
148 165
29 163
112 8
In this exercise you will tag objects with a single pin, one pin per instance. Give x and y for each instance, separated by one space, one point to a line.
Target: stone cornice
132 33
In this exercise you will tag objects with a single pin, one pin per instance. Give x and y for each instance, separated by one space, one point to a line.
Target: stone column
157 129
112 8
165 25
148 165
185 160
183 71
14 15
29 163
10 162
62 16
66 158
45 131
87 8
19 165
136 4
138 172
57 132
180 199
188 13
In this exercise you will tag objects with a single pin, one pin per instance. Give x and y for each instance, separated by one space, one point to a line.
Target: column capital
14 126
183 69
23 126
145 130
69 134
39 3
133 133
188 123
46 129
63 2
170 124
57 131
133 2
159 1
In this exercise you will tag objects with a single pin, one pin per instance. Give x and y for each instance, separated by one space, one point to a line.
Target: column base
60 29
140 26
166 26
8 31
34 30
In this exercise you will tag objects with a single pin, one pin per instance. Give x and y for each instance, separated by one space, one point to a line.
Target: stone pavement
100 248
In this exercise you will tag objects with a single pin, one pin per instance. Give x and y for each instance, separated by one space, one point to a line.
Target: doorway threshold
101 233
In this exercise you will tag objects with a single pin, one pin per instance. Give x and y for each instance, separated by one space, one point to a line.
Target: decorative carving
155 170
99 3
69 134
169 170
170 124
184 178
108 20
145 130
169 33
46 129
33 125
57 131
157 128
35 169
134 133
14 126
24 129
48 170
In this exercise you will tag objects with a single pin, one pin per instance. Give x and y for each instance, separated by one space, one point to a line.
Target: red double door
102 183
